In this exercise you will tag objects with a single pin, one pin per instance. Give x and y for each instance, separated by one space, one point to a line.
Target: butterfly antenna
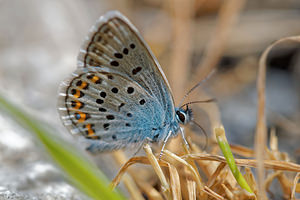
197 85
202 101
202 129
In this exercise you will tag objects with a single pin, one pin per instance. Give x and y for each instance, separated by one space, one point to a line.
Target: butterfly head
183 116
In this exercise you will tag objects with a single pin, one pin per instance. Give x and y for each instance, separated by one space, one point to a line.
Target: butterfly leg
164 144
183 137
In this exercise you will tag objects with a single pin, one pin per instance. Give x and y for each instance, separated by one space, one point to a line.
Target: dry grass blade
117 179
274 154
260 136
268 164
152 159
228 193
273 140
250 180
181 50
129 182
297 177
283 122
175 182
260 140
212 179
242 151
285 184
270 178
190 167
227 17
191 186
211 193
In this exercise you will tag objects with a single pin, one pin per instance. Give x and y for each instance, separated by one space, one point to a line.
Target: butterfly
119 95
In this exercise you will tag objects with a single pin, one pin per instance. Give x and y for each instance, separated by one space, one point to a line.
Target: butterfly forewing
119 94
115 43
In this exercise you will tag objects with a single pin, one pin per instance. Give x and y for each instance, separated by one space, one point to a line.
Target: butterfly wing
119 94
113 42
109 108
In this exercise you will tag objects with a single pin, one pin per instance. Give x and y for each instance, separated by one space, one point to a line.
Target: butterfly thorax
183 116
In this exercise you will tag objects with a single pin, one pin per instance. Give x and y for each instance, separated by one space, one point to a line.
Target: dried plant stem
212 193
273 154
250 179
212 179
191 162
242 151
268 164
260 136
297 177
228 15
190 167
228 193
182 12
129 182
130 162
270 178
153 161
175 182
191 187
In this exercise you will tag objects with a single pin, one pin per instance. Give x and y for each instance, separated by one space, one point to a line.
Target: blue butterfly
119 95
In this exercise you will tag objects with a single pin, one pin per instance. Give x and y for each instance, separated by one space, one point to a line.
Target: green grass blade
83 173
223 144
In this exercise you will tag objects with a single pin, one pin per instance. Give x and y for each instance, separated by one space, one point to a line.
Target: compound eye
181 116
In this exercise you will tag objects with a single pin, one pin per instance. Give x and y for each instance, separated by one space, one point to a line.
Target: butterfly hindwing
108 107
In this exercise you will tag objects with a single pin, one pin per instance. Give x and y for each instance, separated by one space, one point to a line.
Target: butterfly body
119 95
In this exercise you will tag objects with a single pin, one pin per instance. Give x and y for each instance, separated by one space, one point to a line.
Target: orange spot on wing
83 85
77 94
81 117
91 132
77 105
95 79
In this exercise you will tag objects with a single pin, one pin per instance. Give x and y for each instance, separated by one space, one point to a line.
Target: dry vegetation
198 174
206 176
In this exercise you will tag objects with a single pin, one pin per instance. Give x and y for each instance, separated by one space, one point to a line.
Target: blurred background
40 40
